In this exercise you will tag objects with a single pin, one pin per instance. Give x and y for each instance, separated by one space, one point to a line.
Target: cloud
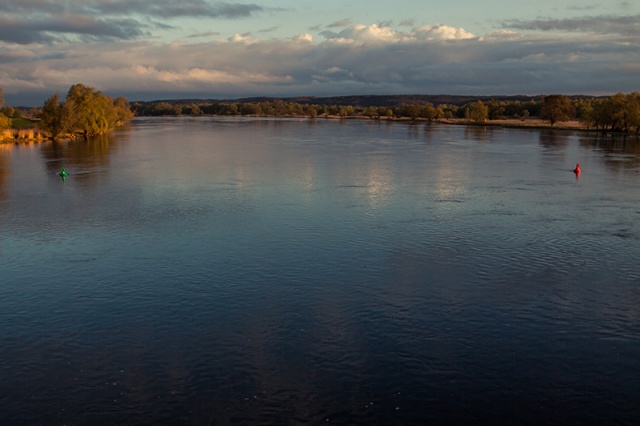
205 34
154 8
48 21
360 59
339 24
268 30
604 24
361 34
25 31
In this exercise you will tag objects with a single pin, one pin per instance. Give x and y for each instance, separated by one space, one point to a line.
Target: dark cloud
155 8
25 31
584 7
341 23
605 24
46 21
206 34
268 30
172 9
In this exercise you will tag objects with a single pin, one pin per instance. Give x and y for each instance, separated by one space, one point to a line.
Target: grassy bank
22 130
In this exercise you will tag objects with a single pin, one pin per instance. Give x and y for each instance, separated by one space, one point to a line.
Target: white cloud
360 59
441 32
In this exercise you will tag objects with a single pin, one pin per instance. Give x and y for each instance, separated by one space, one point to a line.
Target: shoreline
33 135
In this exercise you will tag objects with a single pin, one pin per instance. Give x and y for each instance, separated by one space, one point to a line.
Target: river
271 271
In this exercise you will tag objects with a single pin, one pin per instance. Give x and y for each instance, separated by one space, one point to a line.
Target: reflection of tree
4 174
553 139
78 154
476 133
621 152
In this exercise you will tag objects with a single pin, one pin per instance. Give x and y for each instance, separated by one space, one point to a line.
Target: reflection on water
253 271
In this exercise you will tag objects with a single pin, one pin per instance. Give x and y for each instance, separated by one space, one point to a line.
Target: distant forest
87 111
617 113
398 105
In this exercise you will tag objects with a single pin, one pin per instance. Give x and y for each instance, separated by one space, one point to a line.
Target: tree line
87 112
281 108
617 113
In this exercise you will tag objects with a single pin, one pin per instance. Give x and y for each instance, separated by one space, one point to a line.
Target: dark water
213 272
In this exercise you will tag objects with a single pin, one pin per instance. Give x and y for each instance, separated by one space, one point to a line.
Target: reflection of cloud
452 181
379 185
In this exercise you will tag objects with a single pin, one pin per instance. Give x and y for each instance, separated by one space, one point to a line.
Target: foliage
618 113
5 122
477 111
85 111
557 108
51 116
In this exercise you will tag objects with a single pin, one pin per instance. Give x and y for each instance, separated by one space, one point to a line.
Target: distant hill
358 100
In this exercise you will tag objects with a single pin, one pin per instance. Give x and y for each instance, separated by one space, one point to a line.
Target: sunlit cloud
148 49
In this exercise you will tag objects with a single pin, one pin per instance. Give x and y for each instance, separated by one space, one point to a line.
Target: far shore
33 135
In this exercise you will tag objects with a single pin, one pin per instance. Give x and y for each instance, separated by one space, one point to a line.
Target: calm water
211 272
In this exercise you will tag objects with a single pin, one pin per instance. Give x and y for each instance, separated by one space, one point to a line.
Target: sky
207 49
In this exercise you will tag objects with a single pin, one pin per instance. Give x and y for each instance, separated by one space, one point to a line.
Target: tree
5 122
429 112
9 111
556 108
496 110
93 113
51 116
122 110
478 112
633 106
371 112
85 111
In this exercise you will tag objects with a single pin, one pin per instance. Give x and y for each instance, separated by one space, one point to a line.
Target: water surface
255 271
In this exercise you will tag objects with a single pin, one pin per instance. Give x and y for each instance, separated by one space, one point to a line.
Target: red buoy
577 169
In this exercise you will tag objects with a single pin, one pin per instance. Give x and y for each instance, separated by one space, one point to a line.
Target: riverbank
22 135
532 123
536 123
36 135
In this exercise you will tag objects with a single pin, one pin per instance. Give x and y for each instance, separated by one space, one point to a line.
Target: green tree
496 110
371 112
122 110
478 112
633 106
429 112
85 111
93 112
557 108
5 122
9 111
345 111
51 116
162 108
